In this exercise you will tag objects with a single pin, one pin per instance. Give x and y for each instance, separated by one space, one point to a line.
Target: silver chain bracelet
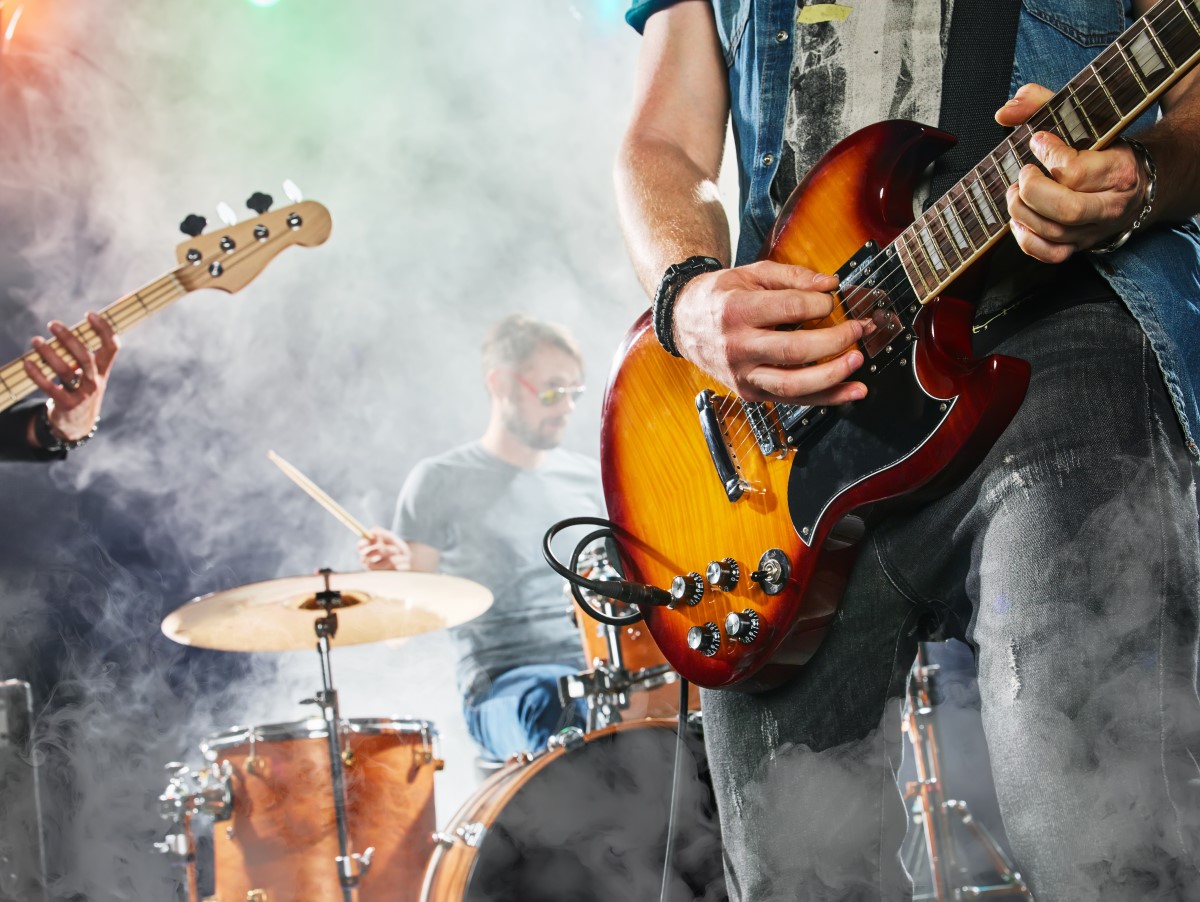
1144 158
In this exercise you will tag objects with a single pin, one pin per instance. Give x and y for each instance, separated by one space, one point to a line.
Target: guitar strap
975 83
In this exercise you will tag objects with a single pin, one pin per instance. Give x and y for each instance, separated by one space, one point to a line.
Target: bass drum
585 821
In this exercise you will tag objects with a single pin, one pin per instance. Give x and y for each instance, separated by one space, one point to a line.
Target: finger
83 355
789 384
786 307
1057 203
110 342
53 359
805 346
1086 170
1021 213
1028 100
770 274
62 397
1039 248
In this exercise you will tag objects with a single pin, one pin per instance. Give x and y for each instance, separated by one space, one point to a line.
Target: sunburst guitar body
756 512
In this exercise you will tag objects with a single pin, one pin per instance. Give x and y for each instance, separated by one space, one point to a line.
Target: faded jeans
519 710
1069 561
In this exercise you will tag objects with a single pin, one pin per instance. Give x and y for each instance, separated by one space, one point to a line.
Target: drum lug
471 834
567 738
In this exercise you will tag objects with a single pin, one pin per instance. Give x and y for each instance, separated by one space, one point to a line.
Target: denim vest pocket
1090 23
731 16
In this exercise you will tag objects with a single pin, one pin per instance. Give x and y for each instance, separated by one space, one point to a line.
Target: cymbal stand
946 873
351 867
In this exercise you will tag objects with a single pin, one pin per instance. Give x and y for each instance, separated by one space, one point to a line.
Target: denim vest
1157 274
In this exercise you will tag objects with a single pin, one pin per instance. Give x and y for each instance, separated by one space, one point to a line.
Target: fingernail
854 359
859 393
868 325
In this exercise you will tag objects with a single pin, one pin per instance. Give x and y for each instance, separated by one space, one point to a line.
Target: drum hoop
314 728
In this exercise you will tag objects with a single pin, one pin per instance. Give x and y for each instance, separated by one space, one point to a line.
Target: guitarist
69 416
1069 559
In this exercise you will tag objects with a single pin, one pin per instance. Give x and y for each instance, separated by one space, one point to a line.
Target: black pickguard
860 439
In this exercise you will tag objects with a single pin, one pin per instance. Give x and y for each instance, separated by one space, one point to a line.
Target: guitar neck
1087 114
122 314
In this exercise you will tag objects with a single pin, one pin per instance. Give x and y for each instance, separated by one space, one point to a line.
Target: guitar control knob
723 575
742 626
704 639
689 589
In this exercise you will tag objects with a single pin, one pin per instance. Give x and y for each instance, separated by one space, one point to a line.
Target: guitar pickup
766 432
719 450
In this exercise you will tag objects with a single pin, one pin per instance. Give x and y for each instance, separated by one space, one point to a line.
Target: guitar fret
1183 5
1009 165
1158 43
1106 117
1082 122
923 270
912 265
970 217
1146 57
958 231
983 201
1114 72
1178 39
932 251
1132 69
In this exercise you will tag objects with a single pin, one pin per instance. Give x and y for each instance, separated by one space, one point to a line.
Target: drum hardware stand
605 689
933 811
327 699
179 802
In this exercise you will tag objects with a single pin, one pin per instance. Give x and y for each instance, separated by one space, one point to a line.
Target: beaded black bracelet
673 280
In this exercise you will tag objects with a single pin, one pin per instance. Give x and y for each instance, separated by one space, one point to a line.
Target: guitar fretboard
1087 113
122 314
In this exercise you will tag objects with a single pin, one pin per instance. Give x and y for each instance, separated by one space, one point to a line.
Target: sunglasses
550 396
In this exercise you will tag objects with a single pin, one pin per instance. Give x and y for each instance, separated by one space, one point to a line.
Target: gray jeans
1069 560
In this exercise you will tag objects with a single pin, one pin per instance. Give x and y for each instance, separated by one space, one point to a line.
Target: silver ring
73 383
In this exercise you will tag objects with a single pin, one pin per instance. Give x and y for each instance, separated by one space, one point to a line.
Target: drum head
592 825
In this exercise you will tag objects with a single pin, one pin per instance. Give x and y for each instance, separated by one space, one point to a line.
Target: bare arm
666 175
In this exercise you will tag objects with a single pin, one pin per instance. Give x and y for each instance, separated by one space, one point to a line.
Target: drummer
480 510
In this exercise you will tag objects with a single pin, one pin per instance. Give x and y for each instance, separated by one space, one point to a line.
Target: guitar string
932 220
20 385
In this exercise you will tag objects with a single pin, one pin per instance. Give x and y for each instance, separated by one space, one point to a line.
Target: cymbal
278 614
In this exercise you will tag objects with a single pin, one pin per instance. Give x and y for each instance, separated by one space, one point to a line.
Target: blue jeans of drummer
519 710
1069 561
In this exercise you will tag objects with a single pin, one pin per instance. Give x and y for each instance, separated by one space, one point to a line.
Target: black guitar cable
639 595
622 590
676 779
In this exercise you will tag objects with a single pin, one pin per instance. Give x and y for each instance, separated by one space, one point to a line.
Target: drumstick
317 495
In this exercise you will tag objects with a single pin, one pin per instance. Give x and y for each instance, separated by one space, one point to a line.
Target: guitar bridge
720 449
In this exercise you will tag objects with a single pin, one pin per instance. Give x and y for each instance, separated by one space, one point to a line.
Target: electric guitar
227 260
751 512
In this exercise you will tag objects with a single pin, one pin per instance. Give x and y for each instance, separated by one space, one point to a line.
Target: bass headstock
230 258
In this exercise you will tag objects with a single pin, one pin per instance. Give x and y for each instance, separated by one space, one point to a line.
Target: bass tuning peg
193 225
260 203
292 190
226 213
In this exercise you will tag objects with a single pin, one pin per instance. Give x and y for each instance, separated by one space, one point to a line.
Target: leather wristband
1147 163
46 437
673 280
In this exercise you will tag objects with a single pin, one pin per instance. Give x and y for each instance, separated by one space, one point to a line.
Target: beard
533 436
